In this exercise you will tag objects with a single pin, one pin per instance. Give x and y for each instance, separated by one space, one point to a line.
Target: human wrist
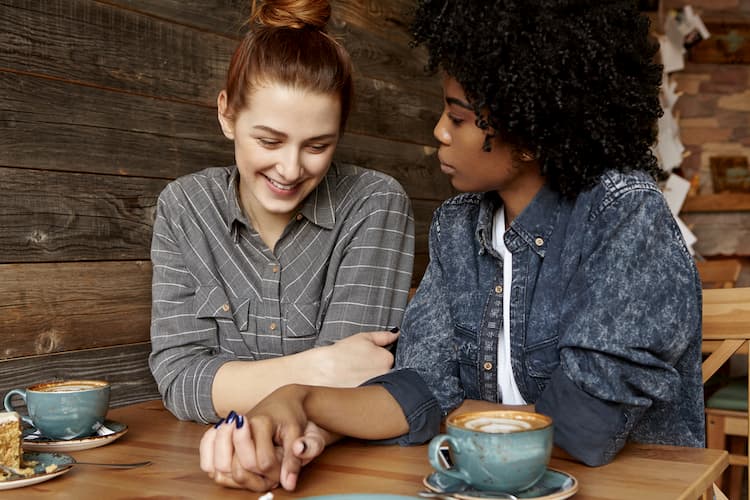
319 361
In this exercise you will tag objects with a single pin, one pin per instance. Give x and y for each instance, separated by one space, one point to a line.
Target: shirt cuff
590 429
417 402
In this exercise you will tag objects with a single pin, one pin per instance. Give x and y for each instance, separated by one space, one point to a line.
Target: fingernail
395 329
218 423
240 421
230 418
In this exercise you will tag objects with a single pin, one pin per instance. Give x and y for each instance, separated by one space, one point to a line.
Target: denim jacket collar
532 227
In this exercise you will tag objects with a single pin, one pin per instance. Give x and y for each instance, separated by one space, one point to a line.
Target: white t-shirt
506 383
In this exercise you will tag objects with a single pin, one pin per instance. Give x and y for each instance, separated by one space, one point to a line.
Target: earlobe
227 124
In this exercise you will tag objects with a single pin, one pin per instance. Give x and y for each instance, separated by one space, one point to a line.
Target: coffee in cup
64 409
502 450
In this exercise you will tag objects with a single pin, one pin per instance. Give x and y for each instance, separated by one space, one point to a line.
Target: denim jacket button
498 289
487 366
539 241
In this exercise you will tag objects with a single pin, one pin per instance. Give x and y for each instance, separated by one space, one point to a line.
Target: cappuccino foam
496 425
69 386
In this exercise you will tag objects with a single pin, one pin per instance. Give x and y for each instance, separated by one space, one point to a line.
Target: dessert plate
56 463
554 485
111 430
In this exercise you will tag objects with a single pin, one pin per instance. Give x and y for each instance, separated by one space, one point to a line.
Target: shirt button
225 307
273 326
276 269
539 241
498 289
487 366
299 216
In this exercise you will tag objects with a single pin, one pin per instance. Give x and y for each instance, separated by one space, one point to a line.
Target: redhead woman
287 267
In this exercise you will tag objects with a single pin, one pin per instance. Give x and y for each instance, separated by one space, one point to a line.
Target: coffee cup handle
436 460
9 404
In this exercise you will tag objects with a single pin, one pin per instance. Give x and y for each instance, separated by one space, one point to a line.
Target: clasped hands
269 445
259 452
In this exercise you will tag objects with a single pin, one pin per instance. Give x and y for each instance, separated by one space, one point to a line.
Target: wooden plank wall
102 102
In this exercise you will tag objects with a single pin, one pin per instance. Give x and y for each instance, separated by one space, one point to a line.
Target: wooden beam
52 308
125 367
720 202
57 216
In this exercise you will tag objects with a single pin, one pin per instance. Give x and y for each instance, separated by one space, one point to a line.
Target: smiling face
471 169
284 142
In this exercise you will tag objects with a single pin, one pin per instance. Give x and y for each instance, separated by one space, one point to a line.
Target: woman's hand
266 448
356 359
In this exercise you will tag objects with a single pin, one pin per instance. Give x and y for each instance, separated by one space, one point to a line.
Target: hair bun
291 13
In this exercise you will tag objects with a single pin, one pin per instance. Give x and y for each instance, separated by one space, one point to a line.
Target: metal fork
116 466
16 475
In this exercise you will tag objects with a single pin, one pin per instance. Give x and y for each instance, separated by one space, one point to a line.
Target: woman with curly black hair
558 281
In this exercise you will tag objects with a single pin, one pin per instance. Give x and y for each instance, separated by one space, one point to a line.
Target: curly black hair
572 81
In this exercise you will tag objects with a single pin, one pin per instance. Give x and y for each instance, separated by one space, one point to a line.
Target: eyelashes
274 144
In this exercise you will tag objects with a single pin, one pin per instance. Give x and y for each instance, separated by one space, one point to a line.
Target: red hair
288 45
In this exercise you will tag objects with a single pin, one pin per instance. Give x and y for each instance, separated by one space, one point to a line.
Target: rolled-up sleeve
631 314
419 406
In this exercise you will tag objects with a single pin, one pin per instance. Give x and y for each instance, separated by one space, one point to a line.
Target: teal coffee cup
495 450
64 409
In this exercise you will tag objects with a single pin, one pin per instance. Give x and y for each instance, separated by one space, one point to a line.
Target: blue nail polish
218 423
240 421
395 329
230 418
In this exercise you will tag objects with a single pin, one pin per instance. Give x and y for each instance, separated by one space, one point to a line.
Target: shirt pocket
212 303
542 359
301 328
467 353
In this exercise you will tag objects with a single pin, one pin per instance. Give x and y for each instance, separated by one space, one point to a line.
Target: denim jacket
605 319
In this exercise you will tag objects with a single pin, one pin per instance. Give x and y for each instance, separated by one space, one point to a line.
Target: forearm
368 412
240 385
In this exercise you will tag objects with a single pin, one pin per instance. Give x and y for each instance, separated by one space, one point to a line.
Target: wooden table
644 472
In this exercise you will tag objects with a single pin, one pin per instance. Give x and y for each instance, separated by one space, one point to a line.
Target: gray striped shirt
342 266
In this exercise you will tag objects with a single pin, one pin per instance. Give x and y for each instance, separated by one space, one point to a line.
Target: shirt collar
235 217
318 207
532 227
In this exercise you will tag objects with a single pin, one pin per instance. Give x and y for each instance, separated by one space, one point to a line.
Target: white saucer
63 462
554 485
110 431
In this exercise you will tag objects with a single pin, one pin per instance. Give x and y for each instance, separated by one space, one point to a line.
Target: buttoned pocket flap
212 302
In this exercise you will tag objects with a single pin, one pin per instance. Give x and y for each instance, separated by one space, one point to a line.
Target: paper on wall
672 55
669 147
687 235
675 191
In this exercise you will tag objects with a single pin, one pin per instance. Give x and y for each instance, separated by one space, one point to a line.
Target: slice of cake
11 451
